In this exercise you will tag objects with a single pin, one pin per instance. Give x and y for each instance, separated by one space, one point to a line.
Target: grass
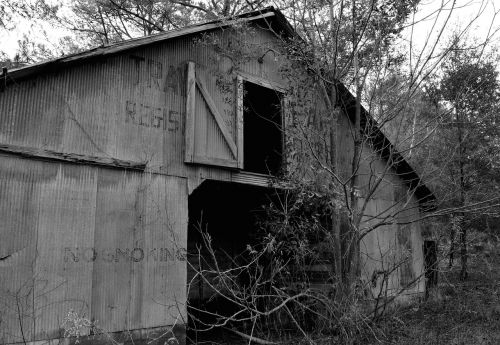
459 312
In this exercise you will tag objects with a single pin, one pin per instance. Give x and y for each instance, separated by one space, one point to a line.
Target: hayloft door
212 128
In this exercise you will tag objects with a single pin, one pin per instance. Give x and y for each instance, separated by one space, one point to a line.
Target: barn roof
281 26
272 16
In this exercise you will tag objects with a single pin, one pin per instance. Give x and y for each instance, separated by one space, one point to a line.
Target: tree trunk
463 253
354 217
462 227
335 168
334 163
452 247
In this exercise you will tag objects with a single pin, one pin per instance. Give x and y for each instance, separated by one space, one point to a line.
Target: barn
109 156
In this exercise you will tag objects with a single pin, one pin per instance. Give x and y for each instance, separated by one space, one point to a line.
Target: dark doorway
227 214
431 265
262 129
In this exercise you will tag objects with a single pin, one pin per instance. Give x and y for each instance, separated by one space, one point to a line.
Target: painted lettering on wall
114 255
155 75
155 117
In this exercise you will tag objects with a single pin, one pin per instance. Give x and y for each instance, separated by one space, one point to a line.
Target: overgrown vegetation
457 312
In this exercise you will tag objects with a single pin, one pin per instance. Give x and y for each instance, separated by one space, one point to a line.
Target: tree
470 87
98 22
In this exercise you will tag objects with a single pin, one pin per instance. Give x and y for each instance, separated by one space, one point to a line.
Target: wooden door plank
215 161
261 81
239 120
190 112
217 116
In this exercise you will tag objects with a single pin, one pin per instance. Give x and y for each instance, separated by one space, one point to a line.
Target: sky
481 13
478 20
38 31
478 17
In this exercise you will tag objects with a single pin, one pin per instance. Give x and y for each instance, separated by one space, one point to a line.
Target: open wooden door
212 134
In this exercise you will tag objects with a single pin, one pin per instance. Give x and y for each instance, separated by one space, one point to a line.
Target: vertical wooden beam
190 112
239 120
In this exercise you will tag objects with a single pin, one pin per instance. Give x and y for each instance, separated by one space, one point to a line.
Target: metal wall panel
127 107
165 228
106 243
52 211
379 250
395 247
66 218
18 213
118 220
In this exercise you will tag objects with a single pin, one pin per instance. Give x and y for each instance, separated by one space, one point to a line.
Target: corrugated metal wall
108 243
130 106
393 249
113 108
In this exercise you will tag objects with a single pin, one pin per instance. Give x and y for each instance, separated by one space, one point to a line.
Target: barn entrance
223 220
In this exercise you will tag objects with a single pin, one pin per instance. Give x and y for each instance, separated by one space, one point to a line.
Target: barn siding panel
144 286
395 247
117 219
165 228
55 212
19 195
106 243
66 219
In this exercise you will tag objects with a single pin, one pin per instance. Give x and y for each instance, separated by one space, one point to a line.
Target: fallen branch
251 337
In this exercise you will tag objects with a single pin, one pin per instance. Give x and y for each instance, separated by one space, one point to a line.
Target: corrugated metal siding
57 211
416 245
166 224
131 106
257 44
66 218
118 218
107 243
19 214
127 107
69 225
379 249
346 147
396 247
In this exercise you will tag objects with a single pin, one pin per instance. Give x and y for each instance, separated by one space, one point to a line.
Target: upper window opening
262 129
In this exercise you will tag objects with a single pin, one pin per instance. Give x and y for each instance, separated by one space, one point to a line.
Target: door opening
262 129
223 221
